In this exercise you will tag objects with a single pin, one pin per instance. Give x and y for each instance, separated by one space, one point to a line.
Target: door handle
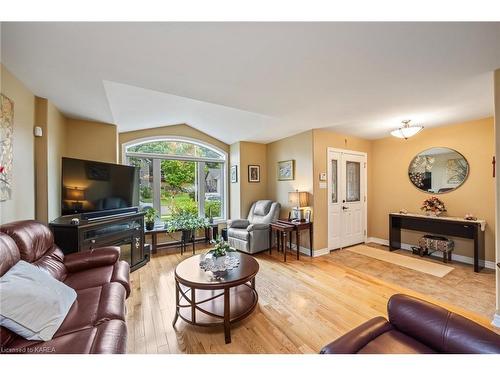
345 208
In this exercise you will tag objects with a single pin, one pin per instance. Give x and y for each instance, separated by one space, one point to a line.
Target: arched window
180 173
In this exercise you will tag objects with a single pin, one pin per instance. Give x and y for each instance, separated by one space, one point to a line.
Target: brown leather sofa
416 326
96 321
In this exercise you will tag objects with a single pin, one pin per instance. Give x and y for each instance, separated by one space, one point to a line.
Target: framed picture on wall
286 170
234 173
254 173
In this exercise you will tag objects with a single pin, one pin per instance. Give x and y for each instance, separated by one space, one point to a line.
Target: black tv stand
125 230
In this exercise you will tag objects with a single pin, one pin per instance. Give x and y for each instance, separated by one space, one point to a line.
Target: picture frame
286 170
254 173
234 174
307 216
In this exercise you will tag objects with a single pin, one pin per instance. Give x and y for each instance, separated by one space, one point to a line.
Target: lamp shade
74 194
407 130
299 198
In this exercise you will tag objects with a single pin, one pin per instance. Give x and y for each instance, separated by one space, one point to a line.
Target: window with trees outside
180 174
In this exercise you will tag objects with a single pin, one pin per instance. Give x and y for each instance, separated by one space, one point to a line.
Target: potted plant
187 222
150 215
433 206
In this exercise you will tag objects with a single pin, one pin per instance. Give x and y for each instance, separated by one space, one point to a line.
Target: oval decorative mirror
438 170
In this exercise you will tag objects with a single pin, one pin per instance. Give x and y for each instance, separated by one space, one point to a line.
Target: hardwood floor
303 305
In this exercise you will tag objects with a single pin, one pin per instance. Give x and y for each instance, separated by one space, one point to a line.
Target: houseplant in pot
150 215
187 222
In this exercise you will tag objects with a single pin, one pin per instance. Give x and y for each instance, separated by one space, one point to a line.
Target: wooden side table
300 226
282 231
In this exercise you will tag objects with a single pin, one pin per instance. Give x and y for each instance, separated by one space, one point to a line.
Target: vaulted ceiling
259 81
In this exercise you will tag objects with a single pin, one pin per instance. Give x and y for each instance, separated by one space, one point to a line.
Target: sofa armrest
103 256
238 223
253 227
440 329
121 274
353 341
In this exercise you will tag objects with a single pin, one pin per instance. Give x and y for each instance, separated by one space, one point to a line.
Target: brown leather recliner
416 326
96 321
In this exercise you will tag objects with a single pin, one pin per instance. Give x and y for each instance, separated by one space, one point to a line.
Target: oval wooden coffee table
203 300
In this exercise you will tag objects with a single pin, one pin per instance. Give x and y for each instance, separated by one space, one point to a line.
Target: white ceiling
259 81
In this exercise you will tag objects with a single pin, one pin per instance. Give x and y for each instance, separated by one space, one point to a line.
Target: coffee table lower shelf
215 307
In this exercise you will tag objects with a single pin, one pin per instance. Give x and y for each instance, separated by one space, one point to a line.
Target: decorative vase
220 263
150 225
433 213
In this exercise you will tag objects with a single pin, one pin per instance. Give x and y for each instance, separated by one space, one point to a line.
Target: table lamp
76 195
299 199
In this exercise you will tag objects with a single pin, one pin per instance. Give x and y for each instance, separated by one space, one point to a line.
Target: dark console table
125 231
473 230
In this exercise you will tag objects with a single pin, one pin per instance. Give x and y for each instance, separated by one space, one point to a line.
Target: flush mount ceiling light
407 130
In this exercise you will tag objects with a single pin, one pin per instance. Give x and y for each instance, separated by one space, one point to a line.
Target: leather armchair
251 235
416 326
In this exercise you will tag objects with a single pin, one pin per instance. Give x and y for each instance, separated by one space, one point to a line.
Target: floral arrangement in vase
221 247
433 206
217 260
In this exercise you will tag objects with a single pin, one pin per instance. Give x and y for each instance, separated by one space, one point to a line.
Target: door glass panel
334 182
353 181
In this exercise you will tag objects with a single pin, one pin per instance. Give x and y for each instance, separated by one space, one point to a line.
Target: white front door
347 198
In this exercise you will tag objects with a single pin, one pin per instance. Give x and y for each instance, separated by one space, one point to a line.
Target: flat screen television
90 186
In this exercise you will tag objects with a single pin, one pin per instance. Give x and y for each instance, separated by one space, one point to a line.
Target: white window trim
194 141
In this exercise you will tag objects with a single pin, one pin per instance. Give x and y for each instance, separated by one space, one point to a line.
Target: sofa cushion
238 233
90 278
53 263
32 303
395 342
9 253
107 338
262 207
31 237
94 306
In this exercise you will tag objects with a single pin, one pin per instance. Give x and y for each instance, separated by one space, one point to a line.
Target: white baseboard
458 258
496 320
307 251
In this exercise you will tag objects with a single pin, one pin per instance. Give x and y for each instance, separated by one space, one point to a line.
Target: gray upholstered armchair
251 235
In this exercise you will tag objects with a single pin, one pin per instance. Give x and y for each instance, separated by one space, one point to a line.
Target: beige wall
391 189
41 161
91 140
57 143
181 130
496 80
243 193
322 139
252 154
49 149
298 147
22 203
235 187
